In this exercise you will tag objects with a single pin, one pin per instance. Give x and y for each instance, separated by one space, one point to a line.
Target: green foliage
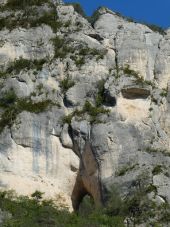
8 117
156 28
124 170
21 63
88 108
92 52
3 74
8 98
30 18
151 188
100 95
80 57
93 110
79 60
157 170
22 4
87 206
61 48
48 18
130 72
165 213
35 212
114 203
156 150
67 119
66 84
2 23
164 92
37 195
138 79
27 105
13 106
136 208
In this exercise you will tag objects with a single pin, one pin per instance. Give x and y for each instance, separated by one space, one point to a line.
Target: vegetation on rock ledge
12 106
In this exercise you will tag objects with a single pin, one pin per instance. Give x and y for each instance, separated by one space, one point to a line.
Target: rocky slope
82 107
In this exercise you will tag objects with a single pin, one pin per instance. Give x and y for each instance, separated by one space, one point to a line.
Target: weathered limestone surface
68 159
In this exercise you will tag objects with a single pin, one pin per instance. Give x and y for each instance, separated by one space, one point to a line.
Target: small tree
37 195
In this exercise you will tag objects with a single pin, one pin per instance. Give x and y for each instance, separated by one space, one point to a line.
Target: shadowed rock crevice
135 93
109 100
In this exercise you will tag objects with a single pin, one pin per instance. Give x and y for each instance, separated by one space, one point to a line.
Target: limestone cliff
83 107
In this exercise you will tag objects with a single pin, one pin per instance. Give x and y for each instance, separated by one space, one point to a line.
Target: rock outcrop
82 107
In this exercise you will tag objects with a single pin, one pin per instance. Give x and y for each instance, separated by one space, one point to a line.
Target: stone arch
78 193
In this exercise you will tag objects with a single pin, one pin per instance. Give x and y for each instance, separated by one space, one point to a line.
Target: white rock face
133 110
28 44
94 115
36 160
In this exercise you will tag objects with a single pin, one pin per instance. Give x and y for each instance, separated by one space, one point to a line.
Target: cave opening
87 205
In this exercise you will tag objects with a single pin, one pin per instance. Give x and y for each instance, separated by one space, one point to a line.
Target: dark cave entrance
82 200
86 205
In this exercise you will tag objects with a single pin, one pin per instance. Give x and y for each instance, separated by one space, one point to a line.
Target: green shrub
138 79
164 92
93 110
35 212
61 48
8 98
13 106
2 23
27 105
67 119
165 213
92 52
155 28
79 60
125 169
156 150
80 57
114 203
32 19
157 170
37 195
21 63
48 18
130 72
89 109
136 208
66 84
22 4
151 188
87 206
100 95
3 74
8 117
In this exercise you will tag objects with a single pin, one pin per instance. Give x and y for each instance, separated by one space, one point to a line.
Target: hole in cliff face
79 192
135 93
67 103
87 205
96 36
109 100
